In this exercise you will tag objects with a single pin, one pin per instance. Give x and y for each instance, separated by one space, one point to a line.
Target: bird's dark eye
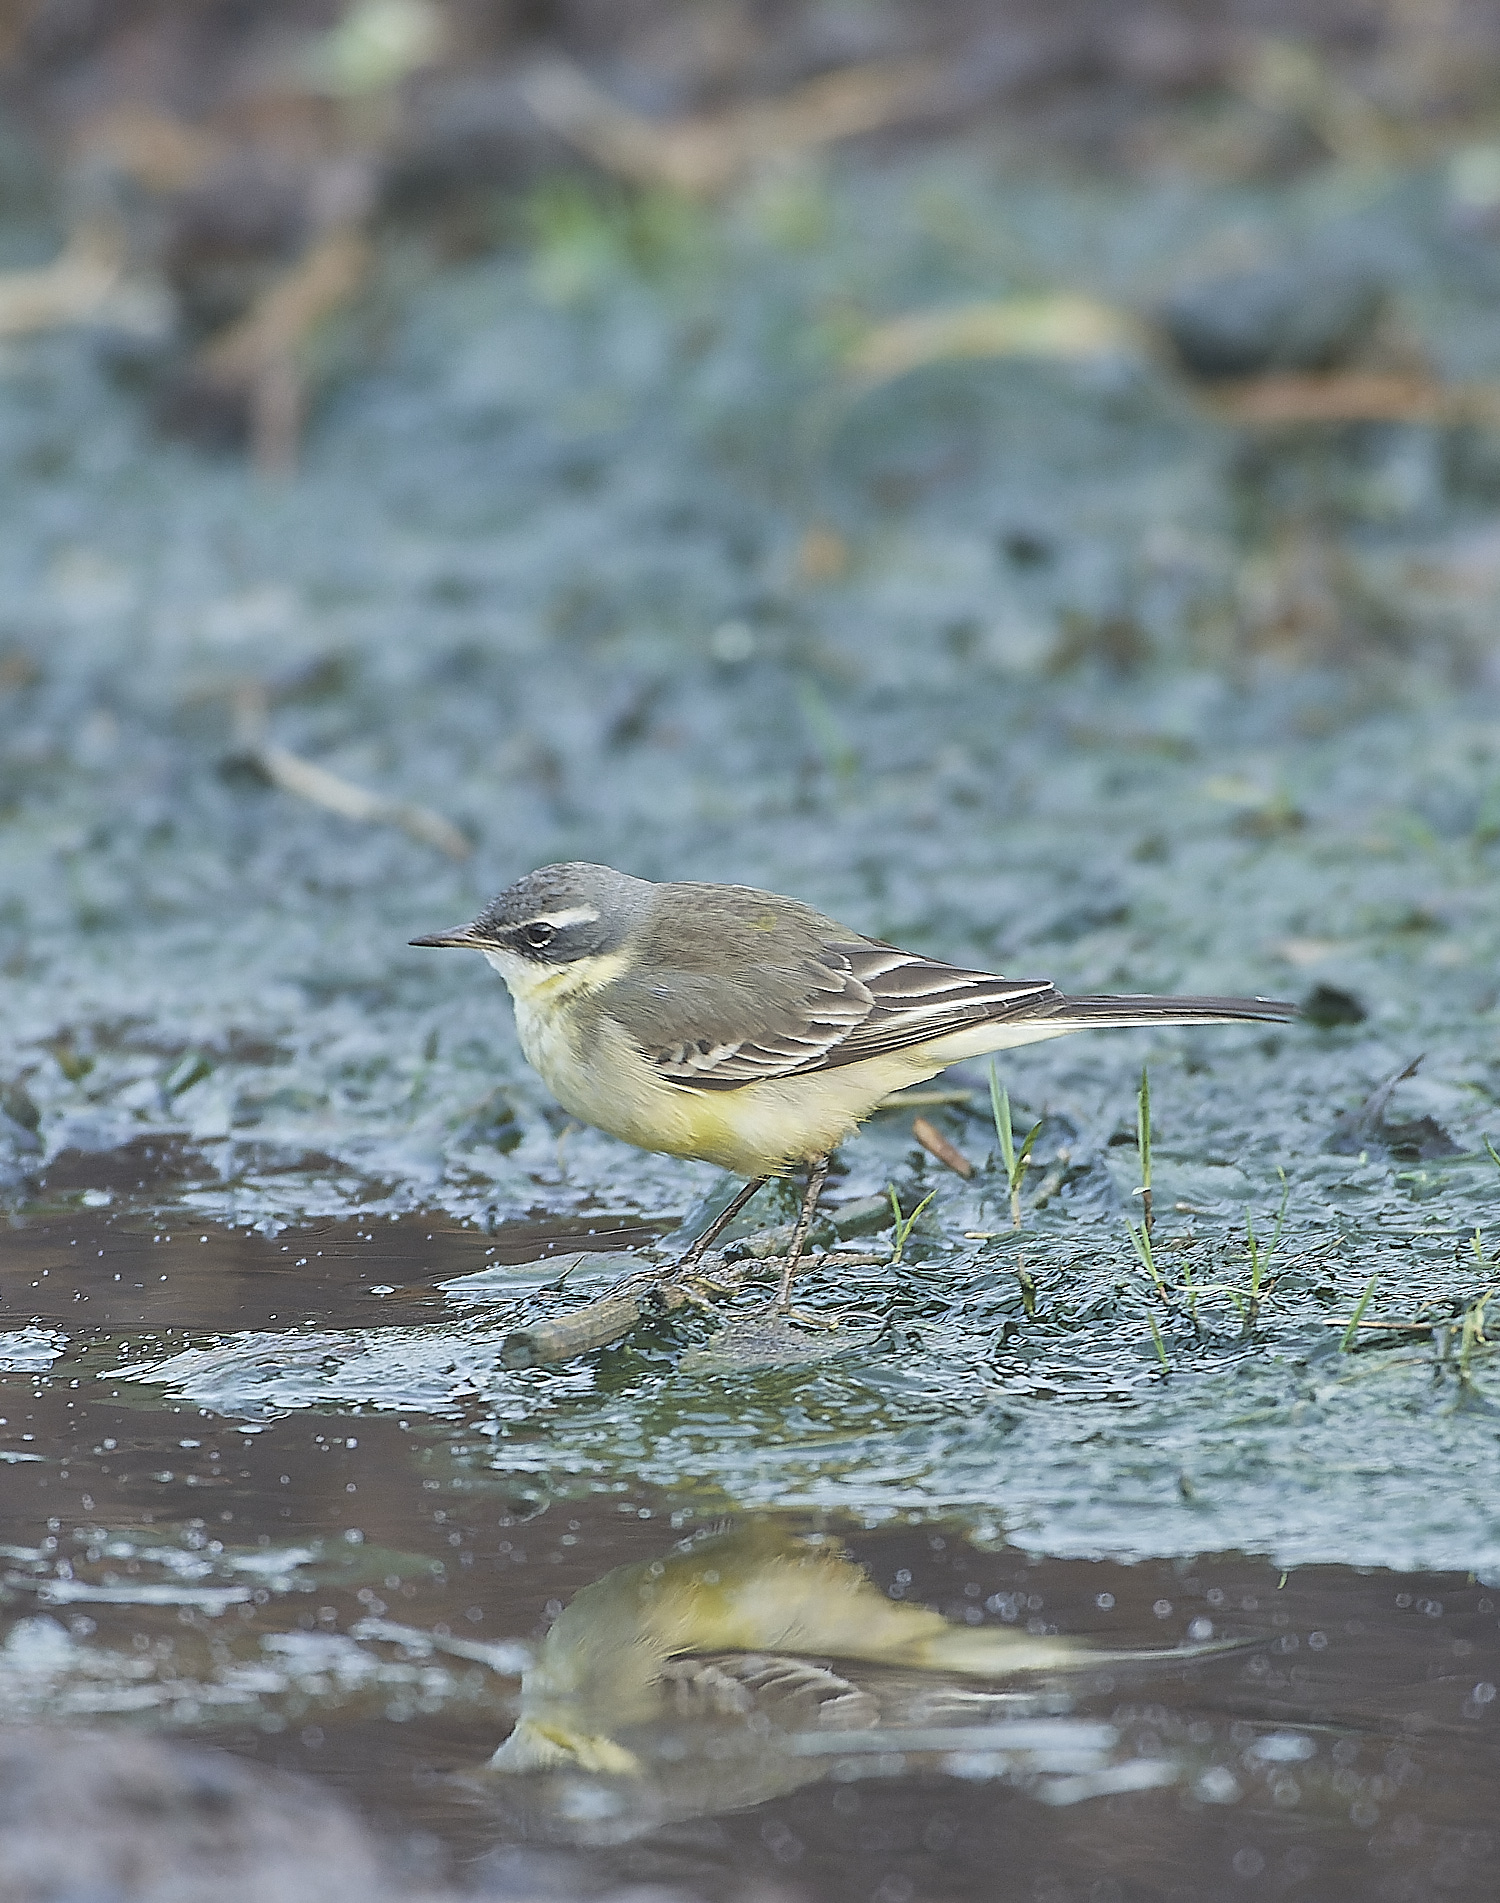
540 934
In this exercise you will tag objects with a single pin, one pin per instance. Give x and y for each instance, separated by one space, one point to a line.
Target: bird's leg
817 1176
700 1246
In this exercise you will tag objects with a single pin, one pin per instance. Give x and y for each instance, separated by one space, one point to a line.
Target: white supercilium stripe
573 915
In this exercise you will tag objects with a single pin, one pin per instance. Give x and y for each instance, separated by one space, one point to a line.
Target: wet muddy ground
597 553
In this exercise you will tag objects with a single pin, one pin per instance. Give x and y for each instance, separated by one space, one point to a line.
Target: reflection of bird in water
683 1686
607 1662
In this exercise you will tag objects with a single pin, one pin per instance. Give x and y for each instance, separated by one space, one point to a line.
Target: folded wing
868 999
865 1000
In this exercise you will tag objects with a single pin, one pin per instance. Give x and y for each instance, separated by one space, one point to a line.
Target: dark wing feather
1105 1013
918 998
867 999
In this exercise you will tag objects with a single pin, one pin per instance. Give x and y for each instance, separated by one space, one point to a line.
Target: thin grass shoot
905 1224
1346 1341
1473 1332
1015 1161
1140 1241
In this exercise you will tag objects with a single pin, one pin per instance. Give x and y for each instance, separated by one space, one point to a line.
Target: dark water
214 1576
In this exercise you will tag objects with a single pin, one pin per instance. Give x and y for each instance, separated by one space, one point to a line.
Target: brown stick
596 1325
829 1259
1351 396
278 399
293 774
936 1144
707 154
923 1099
77 284
619 1310
1391 1328
259 356
278 322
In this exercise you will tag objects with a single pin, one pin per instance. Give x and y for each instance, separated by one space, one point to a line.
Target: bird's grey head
556 915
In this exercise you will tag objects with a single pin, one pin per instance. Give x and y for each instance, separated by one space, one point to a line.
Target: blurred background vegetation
1280 219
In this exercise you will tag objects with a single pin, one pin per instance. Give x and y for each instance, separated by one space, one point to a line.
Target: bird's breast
599 1074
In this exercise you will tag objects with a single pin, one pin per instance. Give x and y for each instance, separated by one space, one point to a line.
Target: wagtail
741 1028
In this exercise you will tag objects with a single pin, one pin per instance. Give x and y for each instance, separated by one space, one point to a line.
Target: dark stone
1026 548
1300 316
88 1814
1327 1006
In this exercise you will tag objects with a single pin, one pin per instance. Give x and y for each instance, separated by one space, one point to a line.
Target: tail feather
1104 1012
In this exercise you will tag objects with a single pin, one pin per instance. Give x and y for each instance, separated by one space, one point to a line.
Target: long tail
1104 1012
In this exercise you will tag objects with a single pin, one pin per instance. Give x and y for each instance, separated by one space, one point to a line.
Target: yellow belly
761 1129
757 1130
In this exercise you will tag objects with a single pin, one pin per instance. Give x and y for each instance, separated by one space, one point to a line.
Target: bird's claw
698 1285
804 1318
691 1291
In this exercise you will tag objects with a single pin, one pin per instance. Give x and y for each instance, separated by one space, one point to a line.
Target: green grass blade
905 1224
1000 1108
1358 1316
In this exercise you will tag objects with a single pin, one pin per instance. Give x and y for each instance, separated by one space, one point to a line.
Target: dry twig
1068 327
1352 396
76 286
289 771
1385 1327
936 1144
1294 81
1062 325
258 358
154 149
705 155
607 1319
637 1298
923 1099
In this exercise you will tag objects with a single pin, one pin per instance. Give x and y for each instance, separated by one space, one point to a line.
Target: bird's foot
781 1303
803 1317
703 1283
789 1269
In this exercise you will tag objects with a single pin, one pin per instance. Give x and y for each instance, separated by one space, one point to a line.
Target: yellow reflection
607 1665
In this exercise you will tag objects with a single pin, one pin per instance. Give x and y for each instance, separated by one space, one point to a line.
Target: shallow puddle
353 1591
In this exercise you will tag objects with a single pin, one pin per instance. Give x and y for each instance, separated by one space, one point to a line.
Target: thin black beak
463 936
